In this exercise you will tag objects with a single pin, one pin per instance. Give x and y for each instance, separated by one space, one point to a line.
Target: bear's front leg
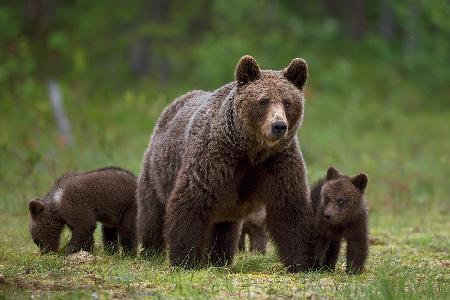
82 231
82 239
332 255
187 226
290 229
223 243
289 215
357 249
321 246
110 239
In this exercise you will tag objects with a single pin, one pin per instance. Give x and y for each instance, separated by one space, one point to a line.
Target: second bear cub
256 228
340 213
106 195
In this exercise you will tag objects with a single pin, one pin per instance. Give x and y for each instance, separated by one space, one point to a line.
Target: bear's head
45 228
269 104
342 197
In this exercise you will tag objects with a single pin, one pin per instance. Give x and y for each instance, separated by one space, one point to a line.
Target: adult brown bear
216 156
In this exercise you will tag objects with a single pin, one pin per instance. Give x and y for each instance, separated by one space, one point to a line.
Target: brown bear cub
255 227
340 212
106 195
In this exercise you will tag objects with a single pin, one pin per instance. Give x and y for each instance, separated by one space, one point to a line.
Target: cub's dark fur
255 227
106 195
340 213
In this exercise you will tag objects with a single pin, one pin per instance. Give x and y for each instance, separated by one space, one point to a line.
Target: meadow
394 135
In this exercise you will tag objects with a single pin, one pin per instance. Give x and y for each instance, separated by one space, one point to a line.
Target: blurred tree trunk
160 13
62 121
357 15
147 52
37 18
411 34
272 9
140 56
200 22
350 14
386 26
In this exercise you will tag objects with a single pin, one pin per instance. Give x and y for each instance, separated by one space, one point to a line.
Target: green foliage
82 41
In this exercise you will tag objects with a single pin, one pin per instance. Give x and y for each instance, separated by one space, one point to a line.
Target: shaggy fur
216 156
255 227
105 195
340 213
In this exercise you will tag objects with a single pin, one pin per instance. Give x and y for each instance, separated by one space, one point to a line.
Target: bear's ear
247 70
360 182
297 72
332 173
35 206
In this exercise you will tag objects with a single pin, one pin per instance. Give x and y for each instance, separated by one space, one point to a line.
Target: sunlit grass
400 266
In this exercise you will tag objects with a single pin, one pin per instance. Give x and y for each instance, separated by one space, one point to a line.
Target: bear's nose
327 217
279 128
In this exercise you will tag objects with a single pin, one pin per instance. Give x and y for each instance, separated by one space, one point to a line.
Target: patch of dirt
38 285
445 263
119 295
94 278
376 241
81 257
416 229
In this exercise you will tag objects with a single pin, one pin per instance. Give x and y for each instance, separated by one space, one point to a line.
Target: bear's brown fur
106 195
340 213
216 156
255 227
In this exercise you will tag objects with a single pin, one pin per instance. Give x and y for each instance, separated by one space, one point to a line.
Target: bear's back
105 187
183 105
183 124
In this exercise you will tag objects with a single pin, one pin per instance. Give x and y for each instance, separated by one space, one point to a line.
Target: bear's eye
327 200
263 101
340 201
286 103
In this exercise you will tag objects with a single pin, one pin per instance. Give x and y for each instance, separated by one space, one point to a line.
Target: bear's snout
275 127
278 129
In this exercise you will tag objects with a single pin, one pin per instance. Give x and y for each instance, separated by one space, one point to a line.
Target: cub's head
342 197
45 228
269 104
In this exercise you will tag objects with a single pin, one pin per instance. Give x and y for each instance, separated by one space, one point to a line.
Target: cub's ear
332 173
247 70
35 206
297 72
360 182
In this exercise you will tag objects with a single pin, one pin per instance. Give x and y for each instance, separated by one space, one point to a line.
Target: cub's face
44 229
342 198
269 104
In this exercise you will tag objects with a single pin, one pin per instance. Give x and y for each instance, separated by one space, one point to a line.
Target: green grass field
400 142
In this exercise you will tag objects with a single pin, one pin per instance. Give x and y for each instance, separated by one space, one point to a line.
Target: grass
400 142
406 262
